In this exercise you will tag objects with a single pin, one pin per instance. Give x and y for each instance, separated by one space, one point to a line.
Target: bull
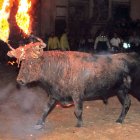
77 77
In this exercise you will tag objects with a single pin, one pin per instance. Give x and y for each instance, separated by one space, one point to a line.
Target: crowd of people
116 36
114 43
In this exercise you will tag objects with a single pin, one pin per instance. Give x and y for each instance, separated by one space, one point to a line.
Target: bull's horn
10 47
37 38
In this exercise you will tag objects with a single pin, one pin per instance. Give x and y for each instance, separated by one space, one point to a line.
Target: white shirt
115 42
103 39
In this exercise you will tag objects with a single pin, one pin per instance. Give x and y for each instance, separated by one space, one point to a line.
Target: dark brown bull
79 77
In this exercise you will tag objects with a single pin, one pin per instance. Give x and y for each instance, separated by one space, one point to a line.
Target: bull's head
31 50
30 71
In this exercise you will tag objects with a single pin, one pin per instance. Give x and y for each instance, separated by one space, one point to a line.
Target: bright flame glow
23 17
4 15
11 62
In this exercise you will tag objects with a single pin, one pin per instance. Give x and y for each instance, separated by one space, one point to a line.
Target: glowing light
87 107
11 63
4 15
22 17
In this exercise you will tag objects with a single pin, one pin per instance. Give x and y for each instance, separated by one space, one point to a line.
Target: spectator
64 43
115 43
53 42
82 43
101 43
134 40
90 42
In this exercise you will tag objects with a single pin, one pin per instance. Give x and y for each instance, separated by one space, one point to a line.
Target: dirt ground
20 110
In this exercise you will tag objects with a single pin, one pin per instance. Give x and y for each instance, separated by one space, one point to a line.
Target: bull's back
78 70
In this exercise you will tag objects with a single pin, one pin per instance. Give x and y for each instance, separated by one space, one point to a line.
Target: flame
11 63
23 17
4 15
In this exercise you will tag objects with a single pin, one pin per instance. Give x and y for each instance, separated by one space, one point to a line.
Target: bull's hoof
119 121
78 125
38 126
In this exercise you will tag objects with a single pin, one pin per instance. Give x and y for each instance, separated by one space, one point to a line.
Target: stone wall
47 16
135 9
50 11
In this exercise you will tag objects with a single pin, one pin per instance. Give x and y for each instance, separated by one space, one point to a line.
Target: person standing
134 40
53 42
82 44
101 43
64 43
115 43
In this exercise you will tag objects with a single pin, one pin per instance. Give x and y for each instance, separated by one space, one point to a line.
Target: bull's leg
50 105
78 111
126 102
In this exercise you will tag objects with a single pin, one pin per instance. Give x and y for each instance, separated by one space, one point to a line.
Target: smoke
5 93
30 100
20 109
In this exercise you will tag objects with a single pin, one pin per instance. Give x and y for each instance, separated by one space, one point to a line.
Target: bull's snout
20 82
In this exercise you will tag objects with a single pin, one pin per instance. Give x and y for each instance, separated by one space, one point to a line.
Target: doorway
60 26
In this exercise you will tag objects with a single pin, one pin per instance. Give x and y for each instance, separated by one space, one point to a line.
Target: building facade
56 15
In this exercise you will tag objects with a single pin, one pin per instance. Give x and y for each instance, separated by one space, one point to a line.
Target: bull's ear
10 54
